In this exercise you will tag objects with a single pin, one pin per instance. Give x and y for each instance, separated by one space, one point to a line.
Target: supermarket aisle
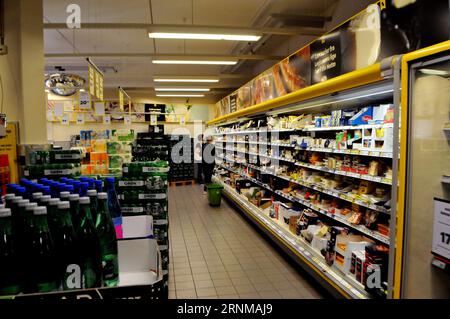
216 253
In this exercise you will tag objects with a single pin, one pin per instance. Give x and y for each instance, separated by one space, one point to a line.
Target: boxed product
362 117
345 245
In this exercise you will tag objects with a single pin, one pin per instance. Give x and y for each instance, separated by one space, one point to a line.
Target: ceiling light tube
180 95
210 62
182 89
186 80
204 36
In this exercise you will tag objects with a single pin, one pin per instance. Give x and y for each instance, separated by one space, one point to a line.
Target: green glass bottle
108 242
9 256
67 249
89 245
43 201
8 200
35 197
74 200
43 261
64 196
52 212
92 194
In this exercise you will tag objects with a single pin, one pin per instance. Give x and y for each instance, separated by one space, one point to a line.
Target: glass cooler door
426 256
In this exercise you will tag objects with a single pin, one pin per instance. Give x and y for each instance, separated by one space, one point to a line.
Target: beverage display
89 245
114 206
57 243
10 283
42 255
108 242
67 248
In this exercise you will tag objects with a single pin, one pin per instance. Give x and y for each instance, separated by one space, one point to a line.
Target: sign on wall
8 146
441 228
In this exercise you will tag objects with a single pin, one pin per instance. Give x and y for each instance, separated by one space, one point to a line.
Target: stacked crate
181 158
143 191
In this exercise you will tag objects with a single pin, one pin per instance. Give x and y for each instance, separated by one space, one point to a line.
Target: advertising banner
382 30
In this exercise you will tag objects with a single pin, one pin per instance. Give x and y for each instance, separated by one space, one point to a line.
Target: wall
22 69
10 64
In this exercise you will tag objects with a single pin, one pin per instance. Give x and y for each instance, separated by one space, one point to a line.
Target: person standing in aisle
208 161
198 159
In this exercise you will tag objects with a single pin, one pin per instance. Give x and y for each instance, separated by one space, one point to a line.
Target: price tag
80 118
131 183
182 120
99 108
152 196
107 119
132 209
153 119
441 228
85 100
65 119
355 152
386 180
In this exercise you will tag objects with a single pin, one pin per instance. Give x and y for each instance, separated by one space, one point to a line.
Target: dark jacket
208 158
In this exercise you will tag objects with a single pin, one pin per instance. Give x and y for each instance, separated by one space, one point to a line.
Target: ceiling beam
164 55
288 31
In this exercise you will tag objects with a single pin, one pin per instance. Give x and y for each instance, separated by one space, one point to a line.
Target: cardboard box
140 226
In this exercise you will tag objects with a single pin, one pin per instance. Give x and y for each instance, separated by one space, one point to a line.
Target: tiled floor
216 253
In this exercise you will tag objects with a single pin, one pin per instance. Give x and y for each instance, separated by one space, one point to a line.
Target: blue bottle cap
69 188
111 180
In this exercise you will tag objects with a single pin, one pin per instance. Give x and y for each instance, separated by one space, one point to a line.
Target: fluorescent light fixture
82 90
180 95
204 36
186 80
182 89
47 90
210 62
434 72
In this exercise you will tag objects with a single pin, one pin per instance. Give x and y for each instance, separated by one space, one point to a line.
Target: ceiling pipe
163 55
191 28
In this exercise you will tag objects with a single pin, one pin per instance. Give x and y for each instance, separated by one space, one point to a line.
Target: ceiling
125 52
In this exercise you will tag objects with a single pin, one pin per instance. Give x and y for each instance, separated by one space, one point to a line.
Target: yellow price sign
91 80
121 100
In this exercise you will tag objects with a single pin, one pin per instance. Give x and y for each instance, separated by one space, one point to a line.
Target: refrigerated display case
423 257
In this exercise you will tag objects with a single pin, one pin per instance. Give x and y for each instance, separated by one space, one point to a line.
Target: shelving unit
318 209
240 152
298 248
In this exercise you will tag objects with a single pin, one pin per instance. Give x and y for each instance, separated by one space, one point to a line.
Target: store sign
121 105
8 146
91 80
441 228
366 39
100 88
85 101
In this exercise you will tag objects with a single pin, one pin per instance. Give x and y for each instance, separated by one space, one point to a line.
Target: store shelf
304 253
322 150
376 179
319 188
317 208
255 131
347 127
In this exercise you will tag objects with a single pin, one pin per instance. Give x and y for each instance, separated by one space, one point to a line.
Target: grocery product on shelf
325 179
181 158
53 164
68 249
